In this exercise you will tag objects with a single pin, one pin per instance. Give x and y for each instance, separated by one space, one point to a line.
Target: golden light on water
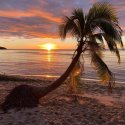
48 46
49 57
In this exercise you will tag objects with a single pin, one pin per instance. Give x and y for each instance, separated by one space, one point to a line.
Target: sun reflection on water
49 56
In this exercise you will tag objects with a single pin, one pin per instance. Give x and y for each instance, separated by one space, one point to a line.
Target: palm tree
91 31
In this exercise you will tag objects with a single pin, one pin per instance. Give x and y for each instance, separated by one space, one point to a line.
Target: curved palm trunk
28 96
60 80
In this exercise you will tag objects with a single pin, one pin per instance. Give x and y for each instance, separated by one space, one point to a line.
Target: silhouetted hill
2 47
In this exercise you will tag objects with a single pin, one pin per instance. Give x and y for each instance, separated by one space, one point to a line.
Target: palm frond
111 35
94 45
108 28
112 46
68 26
104 16
102 10
102 69
78 14
73 24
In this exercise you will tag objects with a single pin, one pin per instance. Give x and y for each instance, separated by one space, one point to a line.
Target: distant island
2 47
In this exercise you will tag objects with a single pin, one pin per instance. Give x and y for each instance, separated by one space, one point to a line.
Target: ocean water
53 63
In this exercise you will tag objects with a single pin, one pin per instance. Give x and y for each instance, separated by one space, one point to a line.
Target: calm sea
53 63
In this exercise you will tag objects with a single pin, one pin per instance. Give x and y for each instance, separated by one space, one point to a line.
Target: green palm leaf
102 69
108 28
112 46
68 26
102 10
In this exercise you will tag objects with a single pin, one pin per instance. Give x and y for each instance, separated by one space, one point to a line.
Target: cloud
28 27
38 18
29 13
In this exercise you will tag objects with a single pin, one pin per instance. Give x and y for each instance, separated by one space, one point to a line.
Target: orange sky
34 43
26 24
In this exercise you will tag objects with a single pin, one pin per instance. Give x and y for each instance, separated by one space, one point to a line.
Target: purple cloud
37 18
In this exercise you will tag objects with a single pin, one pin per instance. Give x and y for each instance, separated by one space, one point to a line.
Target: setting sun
48 46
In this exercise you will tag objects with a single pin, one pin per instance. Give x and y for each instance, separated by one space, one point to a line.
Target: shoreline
17 77
94 105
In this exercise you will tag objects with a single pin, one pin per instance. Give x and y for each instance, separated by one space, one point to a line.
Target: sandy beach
93 105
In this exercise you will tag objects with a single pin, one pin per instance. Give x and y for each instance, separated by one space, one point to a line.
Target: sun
48 46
